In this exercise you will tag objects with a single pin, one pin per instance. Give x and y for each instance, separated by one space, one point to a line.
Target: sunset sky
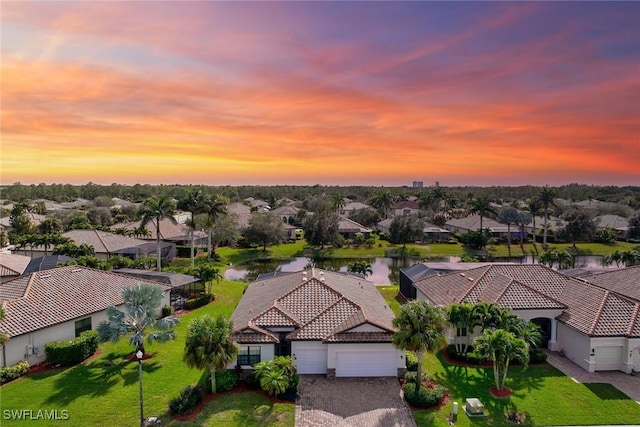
337 93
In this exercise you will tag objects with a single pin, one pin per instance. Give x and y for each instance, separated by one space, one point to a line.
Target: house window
461 332
83 325
407 212
249 355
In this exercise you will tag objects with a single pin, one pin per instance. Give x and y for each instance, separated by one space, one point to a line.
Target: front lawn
547 395
104 390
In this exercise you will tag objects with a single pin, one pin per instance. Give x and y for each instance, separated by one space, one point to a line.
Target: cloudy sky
371 93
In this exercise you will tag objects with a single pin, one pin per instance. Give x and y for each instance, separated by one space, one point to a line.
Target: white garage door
311 360
608 358
366 364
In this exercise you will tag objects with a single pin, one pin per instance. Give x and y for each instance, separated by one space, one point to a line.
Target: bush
184 404
426 397
193 303
67 353
225 381
411 376
469 357
166 311
538 356
14 371
252 381
412 361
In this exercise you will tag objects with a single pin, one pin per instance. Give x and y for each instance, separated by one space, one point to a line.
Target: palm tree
421 328
546 201
214 206
487 315
210 345
508 216
360 267
142 304
481 206
501 347
533 206
461 316
383 200
208 273
156 209
192 204
529 332
337 202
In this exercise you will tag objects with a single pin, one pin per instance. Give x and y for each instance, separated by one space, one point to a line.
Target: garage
311 360
608 358
366 364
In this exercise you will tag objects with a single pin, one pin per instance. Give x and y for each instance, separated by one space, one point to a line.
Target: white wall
335 348
576 346
367 328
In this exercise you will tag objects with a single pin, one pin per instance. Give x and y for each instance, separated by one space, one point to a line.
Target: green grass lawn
544 393
104 390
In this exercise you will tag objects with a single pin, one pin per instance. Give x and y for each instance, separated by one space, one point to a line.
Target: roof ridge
598 313
473 283
102 241
281 309
510 282
636 316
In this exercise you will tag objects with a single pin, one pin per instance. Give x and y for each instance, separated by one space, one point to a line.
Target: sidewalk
628 384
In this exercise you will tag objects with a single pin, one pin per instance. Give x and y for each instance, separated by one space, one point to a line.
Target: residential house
176 233
349 228
404 207
472 223
287 213
615 222
57 305
46 263
351 207
331 323
597 326
242 212
36 219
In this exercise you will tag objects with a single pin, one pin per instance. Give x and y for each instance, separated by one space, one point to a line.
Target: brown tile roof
12 264
102 241
318 303
590 309
46 298
625 281
168 230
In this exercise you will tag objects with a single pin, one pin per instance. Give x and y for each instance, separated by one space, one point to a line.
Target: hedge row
426 396
67 353
186 402
193 303
14 371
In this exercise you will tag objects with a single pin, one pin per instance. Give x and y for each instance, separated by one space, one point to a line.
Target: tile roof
346 225
12 264
320 305
625 281
102 241
591 309
44 299
168 230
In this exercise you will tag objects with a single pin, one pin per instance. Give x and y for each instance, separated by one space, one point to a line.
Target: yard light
139 355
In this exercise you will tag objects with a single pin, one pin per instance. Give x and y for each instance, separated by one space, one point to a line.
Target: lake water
385 270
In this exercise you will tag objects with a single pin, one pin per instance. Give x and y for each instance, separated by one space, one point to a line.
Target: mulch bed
133 358
428 384
500 394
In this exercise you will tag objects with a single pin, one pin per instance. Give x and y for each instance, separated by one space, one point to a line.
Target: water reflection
385 270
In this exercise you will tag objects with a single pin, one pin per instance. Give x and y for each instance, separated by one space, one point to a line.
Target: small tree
264 229
360 267
142 304
208 273
420 327
278 375
406 228
461 317
210 345
501 347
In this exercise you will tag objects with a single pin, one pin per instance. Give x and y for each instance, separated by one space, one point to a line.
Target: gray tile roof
44 299
12 264
320 305
591 309
103 242
625 281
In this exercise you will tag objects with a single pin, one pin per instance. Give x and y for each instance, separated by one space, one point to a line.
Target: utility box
474 407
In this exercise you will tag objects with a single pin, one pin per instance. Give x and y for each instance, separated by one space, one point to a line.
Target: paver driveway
351 402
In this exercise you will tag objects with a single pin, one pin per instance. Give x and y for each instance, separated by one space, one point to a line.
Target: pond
385 270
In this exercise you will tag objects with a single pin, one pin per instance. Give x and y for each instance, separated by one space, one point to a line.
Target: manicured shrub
412 361
251 380
67 353
166 311
225 381
14 371
426 396
193 303
184 404
538 356
411 376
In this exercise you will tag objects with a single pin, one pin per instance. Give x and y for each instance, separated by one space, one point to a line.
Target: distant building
418 184
437 184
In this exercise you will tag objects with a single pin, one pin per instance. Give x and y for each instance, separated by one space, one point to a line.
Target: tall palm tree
210 345
546 199
155 209
192 204
508 216
337 202
214 206
383 200
481 206
501 347
533 207
421 328
142 304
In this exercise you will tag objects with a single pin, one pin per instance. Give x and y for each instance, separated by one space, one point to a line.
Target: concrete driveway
351 402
